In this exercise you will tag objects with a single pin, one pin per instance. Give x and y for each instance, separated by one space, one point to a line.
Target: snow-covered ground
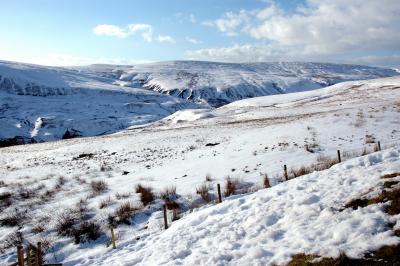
43 103
40 103
245 140
304 215
219 83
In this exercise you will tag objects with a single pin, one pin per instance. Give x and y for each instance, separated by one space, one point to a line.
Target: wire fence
325 159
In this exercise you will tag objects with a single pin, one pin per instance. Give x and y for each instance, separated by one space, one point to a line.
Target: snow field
251 138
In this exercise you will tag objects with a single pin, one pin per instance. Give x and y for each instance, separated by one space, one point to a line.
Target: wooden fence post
20 254
285 172
165 217
114 246
39 254
219 193
28 255
379 145
338 156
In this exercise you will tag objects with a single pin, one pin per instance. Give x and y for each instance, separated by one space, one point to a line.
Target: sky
81 32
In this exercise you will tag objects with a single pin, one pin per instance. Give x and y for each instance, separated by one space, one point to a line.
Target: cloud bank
144 30
316 30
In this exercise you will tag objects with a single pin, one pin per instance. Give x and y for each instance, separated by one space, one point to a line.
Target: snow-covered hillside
47 103
244 140
221 83
303 216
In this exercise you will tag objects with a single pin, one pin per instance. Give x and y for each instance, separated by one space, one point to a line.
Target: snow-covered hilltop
221 83
48 103
40 103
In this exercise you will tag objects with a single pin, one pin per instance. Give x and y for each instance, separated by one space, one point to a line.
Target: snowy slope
46 103
221 83
244 140
43 103
304 215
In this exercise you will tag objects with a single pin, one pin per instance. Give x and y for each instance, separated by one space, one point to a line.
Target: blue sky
72 32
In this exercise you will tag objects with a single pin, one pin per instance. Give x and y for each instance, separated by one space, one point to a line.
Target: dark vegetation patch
75 223
168 193
266 182
84 156
123 214
87 231
105 202
146 194
15 217
386 255
71 133
390 175
389 195
98 187
230 186
66 222
323 162
6 200
11 240
202 191
212 144
18 140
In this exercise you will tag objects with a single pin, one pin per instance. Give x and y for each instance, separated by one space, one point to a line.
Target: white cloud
145 29
238 53
324 27
316 29
193 40
110 30
269 52
230 22
165 38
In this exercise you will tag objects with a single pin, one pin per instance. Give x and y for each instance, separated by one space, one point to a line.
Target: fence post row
219 193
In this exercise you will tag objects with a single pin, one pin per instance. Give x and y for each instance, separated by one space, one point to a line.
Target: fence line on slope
36 258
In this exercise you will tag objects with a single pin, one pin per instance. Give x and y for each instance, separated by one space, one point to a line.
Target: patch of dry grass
202 190
146 194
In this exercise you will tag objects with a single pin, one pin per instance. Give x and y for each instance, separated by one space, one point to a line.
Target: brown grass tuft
146 194
168 193
124 213
266 182
98 187
87 231
230 187
105 202
13 218
202 190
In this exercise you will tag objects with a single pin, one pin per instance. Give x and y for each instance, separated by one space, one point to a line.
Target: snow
270 226
45 102
221 83
103 99
249 138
